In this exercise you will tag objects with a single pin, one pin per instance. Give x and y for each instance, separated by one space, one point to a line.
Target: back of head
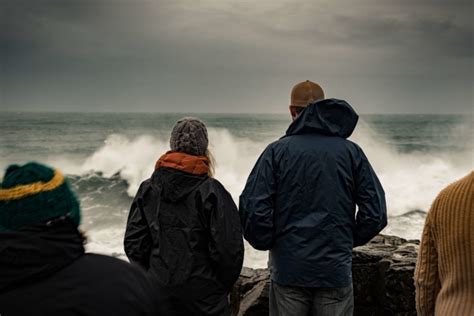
306 92
189 136
303 94
33 194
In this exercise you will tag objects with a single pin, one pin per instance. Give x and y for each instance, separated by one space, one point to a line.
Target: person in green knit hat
34 193
44 269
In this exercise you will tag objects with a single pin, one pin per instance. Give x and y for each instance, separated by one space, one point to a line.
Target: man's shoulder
457 192
279 143
311 138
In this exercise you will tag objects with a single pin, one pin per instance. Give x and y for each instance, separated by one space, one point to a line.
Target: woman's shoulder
144 188
212 185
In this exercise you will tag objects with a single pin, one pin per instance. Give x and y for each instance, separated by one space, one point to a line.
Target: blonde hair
211 162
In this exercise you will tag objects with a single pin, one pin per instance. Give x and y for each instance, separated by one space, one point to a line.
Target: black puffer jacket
185 230
44 271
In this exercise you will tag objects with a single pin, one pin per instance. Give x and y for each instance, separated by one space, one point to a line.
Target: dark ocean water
107 155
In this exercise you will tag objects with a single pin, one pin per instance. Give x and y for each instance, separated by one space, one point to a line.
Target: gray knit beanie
189 135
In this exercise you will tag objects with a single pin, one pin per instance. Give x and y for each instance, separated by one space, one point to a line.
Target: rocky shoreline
382 279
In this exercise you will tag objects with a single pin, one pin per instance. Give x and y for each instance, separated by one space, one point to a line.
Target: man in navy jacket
300 203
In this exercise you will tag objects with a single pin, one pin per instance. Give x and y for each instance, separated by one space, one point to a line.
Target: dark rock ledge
382 279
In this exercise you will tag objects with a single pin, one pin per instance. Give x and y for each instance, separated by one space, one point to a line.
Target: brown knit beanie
189 135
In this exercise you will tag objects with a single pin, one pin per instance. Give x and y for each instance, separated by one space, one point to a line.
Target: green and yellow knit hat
34 193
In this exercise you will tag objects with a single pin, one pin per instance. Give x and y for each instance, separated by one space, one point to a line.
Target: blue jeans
304 301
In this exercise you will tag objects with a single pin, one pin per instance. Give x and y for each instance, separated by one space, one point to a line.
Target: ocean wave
134 159
411 180
107 180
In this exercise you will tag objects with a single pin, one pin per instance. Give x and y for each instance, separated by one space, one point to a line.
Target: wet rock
382 279
250 293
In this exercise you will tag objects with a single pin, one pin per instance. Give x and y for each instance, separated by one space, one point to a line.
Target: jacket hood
37 251
176 184
197 165
329 117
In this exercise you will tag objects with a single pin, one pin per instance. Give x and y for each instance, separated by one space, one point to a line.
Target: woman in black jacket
184 228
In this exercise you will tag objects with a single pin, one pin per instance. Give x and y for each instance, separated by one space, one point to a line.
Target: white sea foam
106 241
135 158
132 158
411 180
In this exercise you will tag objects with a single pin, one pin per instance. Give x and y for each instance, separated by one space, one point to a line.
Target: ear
293 112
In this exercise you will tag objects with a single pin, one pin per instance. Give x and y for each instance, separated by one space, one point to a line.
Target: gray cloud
232 56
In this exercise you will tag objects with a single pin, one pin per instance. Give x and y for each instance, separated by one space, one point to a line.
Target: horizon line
207 113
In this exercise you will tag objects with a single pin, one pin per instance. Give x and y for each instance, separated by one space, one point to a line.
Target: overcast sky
382 56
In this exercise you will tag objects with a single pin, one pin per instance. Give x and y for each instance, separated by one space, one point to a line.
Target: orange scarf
197 165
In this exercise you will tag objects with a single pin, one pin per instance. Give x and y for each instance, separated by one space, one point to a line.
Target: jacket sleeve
226 245
371 217
138 240
427 281
257 203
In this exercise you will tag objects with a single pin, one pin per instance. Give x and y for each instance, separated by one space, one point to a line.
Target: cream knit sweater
444 276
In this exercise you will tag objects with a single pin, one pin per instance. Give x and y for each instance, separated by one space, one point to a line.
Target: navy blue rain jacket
300 199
